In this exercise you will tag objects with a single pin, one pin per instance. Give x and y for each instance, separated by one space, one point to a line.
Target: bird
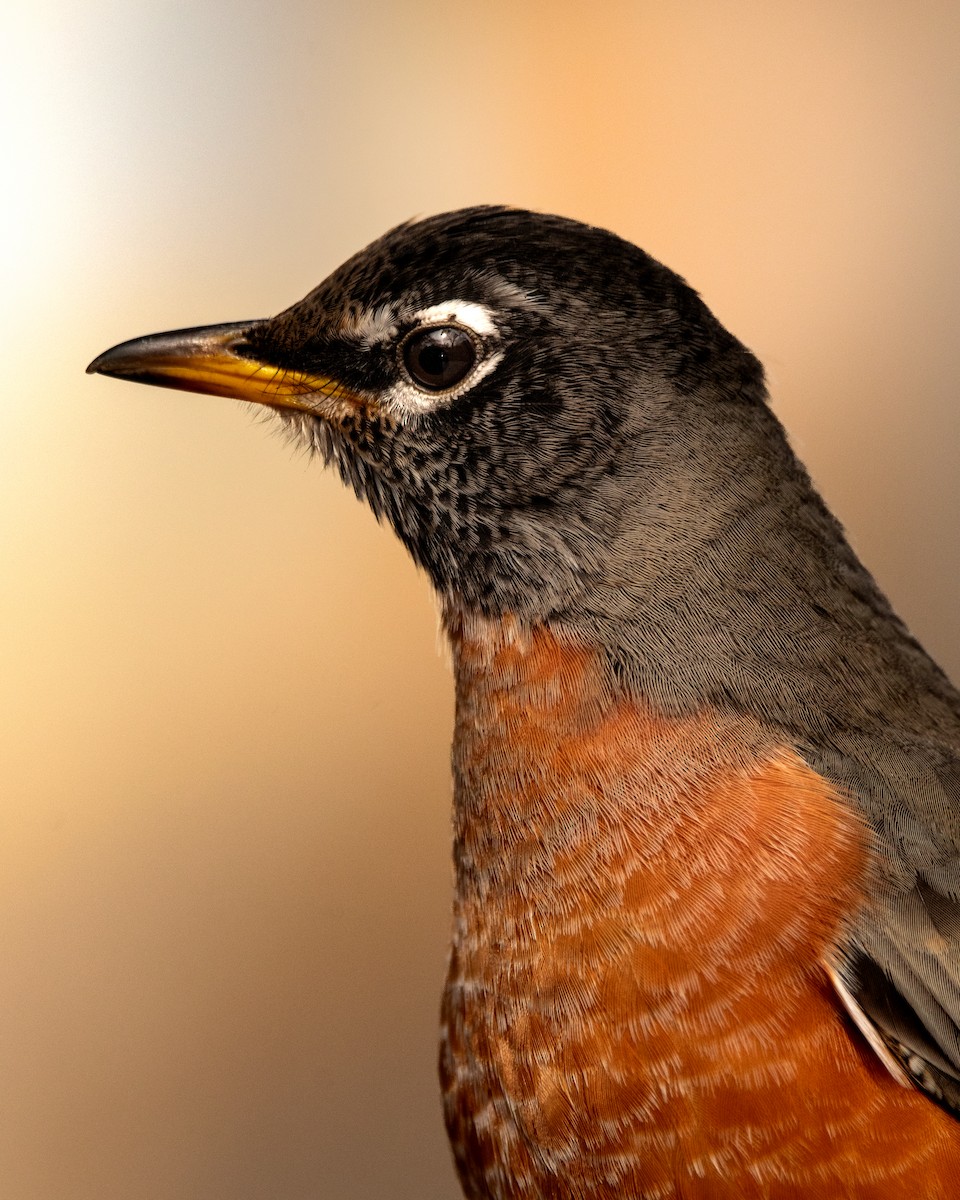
706 784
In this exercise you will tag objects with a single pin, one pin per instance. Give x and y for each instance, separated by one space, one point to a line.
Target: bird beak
218 360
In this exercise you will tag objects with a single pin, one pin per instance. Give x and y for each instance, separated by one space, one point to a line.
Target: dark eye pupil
439 358
433 361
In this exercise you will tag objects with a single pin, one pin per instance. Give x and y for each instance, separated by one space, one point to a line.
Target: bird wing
901 962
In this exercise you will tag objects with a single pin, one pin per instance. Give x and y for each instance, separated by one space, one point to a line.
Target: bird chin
304 428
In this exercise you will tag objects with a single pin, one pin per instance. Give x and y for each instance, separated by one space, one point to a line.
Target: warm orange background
224 868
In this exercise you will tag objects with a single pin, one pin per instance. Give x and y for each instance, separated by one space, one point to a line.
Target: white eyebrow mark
469 314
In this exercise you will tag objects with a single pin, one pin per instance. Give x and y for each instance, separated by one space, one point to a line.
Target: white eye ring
410 397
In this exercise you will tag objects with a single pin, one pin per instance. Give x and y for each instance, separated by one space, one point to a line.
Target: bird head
511 391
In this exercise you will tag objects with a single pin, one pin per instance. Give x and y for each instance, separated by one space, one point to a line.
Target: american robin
707 843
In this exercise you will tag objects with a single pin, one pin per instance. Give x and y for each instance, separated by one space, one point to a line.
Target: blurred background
224 721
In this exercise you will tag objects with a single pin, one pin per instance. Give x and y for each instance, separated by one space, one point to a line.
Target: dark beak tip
119 359
134 357
110 362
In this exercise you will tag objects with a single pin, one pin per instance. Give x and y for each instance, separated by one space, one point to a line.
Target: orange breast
637 1004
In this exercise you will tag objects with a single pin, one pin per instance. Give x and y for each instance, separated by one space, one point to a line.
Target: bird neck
727 582
545 754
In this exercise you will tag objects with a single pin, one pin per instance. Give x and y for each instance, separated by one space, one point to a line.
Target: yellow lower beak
219 360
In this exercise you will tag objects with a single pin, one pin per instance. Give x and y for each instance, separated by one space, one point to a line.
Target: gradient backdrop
224 876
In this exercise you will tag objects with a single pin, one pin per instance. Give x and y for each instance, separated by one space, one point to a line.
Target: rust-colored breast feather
638 1004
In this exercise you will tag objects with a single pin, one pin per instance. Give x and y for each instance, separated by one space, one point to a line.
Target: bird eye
439 358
